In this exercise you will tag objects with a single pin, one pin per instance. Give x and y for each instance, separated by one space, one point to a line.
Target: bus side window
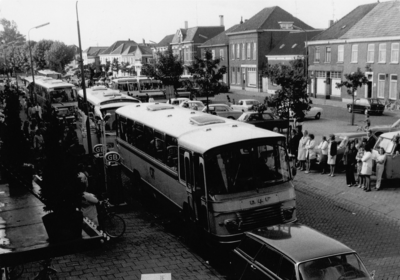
122 128
172 152
159 145
182 174
130 130
139 137
149 141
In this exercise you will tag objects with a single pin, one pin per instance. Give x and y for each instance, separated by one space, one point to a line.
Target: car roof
390 135
350 135
299 242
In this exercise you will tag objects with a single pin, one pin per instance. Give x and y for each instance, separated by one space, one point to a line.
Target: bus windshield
63 95
247 167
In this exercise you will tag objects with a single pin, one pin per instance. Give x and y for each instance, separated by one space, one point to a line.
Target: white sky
104 22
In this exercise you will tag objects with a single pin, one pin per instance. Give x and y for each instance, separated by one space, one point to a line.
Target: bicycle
11 273
112 224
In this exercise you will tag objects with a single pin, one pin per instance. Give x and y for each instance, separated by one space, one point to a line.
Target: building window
382 53
237 51
213 54
221 54
251 77
243 51
395 54
317 56
238 76
248 50
233 51
328 55
320 74
393 87
340 53
254 51
370 53
336 75
381 85
354 53
233 80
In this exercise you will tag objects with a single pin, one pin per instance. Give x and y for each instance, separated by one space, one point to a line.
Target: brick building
186 41
219 47
252 40
368 38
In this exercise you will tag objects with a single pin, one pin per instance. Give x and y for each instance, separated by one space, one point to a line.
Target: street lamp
30 54
88 132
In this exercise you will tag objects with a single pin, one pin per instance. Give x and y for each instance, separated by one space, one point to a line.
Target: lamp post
33 96
88 135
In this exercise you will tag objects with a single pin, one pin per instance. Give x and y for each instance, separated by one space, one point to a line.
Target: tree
39 54
10 32
168 69
207 73
59 55
353 82
292 95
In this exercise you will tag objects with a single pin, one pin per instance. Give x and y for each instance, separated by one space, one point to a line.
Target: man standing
370 140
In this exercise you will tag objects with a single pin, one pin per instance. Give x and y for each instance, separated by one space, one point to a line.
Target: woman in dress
302 151
366 169
359 157
332 151
310 152
380 167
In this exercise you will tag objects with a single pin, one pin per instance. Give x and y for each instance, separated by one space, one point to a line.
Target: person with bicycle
89 200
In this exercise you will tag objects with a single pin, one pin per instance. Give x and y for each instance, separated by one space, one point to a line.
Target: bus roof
132 79
48 82
47 72
195 130
100 94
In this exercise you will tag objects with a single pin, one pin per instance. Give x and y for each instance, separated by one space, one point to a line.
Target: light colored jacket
310 149
323 146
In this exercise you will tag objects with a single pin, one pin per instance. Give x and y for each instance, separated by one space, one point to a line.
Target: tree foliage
168 69
207 73
115 65
59 55
353 81
10 32
39 54
292 95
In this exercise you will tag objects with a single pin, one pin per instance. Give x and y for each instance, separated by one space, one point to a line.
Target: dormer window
282 46
286 24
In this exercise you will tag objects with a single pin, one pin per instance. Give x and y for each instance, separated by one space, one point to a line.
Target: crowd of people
357 158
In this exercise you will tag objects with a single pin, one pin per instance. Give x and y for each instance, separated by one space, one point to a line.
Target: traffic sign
98 149
112 158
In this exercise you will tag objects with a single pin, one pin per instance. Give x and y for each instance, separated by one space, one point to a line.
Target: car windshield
245 166
251 102
243 117
345 266
385 143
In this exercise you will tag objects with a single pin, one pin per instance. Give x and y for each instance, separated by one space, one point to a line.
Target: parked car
264 120
372 105
192 104
177 101
222 110
379 129
314 112
245 105
294 252
392 163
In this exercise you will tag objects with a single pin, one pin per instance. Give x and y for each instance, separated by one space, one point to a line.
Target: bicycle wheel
15 272
114 225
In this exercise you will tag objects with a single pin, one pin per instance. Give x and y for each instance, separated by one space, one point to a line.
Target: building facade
367 38
187 41
252 40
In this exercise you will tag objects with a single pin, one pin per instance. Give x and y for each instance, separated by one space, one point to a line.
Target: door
369 90
244 78
189 184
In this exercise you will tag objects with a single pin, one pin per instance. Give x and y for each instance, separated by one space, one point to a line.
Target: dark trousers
323 163
350 180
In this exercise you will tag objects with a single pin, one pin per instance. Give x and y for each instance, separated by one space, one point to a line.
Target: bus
49 73
101 100
55 94
227 176
137 85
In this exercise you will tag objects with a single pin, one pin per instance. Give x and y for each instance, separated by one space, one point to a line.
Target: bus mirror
107 117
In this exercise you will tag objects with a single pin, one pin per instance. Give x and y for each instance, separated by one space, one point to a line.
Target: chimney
330 23
186 24
221 20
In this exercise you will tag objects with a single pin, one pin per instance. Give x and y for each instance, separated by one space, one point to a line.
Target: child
367 121
359 156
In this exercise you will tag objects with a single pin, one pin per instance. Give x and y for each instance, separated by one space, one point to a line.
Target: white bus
101 100
228 176
138 85
49 73
55 94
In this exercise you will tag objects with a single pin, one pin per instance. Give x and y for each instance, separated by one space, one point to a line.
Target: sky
104 22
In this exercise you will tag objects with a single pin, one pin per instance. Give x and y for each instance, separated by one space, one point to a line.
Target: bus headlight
287 213
231 225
